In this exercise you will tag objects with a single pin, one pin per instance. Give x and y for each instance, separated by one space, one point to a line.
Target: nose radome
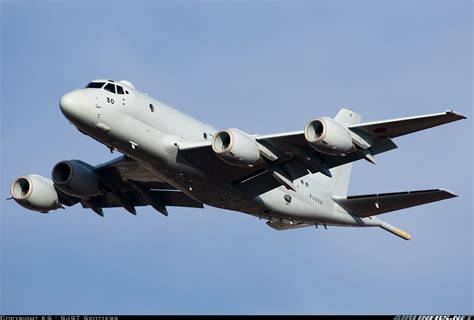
70 104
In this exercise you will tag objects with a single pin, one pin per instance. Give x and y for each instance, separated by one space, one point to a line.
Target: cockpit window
95 85
119 89
110 87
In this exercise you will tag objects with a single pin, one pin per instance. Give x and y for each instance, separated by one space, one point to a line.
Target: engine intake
328 136
35 193
76 178
236 147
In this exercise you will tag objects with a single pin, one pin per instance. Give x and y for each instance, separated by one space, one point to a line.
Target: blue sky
263 67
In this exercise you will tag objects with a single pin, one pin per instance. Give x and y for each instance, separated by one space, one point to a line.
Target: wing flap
369 205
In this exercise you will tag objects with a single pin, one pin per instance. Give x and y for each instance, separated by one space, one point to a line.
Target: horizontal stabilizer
374 204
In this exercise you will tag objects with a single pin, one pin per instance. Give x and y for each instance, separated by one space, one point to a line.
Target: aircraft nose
71 104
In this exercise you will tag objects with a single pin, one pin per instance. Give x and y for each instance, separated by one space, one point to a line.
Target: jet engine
35 192
328 136
236 148
76 178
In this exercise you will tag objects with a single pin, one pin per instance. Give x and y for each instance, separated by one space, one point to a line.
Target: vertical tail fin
342 174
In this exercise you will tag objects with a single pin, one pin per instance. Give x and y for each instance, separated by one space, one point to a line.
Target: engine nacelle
236 148
35 193
328 136
76 178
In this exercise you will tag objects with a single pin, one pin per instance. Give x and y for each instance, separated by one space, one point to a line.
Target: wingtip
457 114
448 192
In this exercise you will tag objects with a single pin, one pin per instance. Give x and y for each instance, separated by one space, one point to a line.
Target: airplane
291 180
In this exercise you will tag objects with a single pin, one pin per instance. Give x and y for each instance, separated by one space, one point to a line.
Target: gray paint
152 133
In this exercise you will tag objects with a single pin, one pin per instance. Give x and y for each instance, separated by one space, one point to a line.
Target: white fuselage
150 132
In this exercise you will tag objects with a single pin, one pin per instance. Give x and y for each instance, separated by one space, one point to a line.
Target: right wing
126 183
124 169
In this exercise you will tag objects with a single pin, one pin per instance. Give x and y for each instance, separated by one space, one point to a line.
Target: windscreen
95 85
110 87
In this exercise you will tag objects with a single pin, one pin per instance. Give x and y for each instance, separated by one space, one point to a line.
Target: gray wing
295 159
126 183
292 157
124 169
